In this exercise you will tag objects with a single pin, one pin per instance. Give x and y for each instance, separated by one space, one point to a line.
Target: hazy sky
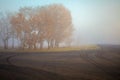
95 21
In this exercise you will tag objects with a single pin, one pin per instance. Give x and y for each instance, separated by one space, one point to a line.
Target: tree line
32 27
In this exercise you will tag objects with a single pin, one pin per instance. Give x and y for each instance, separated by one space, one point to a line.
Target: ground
95 64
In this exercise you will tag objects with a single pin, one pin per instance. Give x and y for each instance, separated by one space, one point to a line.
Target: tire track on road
106 58
30 73
4 56
9 58
89 57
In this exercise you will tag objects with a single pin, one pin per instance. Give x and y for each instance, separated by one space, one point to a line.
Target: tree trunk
13 42
5 44
51 44
56 44
35 46
48 44
41 45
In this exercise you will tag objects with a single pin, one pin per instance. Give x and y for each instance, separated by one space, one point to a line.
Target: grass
88 47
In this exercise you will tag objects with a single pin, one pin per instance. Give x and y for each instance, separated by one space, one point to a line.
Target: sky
95 21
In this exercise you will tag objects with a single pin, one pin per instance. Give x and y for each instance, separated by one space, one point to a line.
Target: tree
61 27
5 30
20 25
24 23
52 23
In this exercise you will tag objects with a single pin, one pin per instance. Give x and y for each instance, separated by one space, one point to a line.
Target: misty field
59 40
101 64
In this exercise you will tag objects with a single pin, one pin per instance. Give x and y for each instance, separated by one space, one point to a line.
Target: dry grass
88 47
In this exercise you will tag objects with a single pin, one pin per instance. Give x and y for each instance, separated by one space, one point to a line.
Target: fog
95 21
98 22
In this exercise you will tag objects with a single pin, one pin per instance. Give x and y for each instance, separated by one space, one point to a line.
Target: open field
95 64
87 47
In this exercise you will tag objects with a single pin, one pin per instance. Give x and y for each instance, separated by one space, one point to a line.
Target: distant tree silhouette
5 30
